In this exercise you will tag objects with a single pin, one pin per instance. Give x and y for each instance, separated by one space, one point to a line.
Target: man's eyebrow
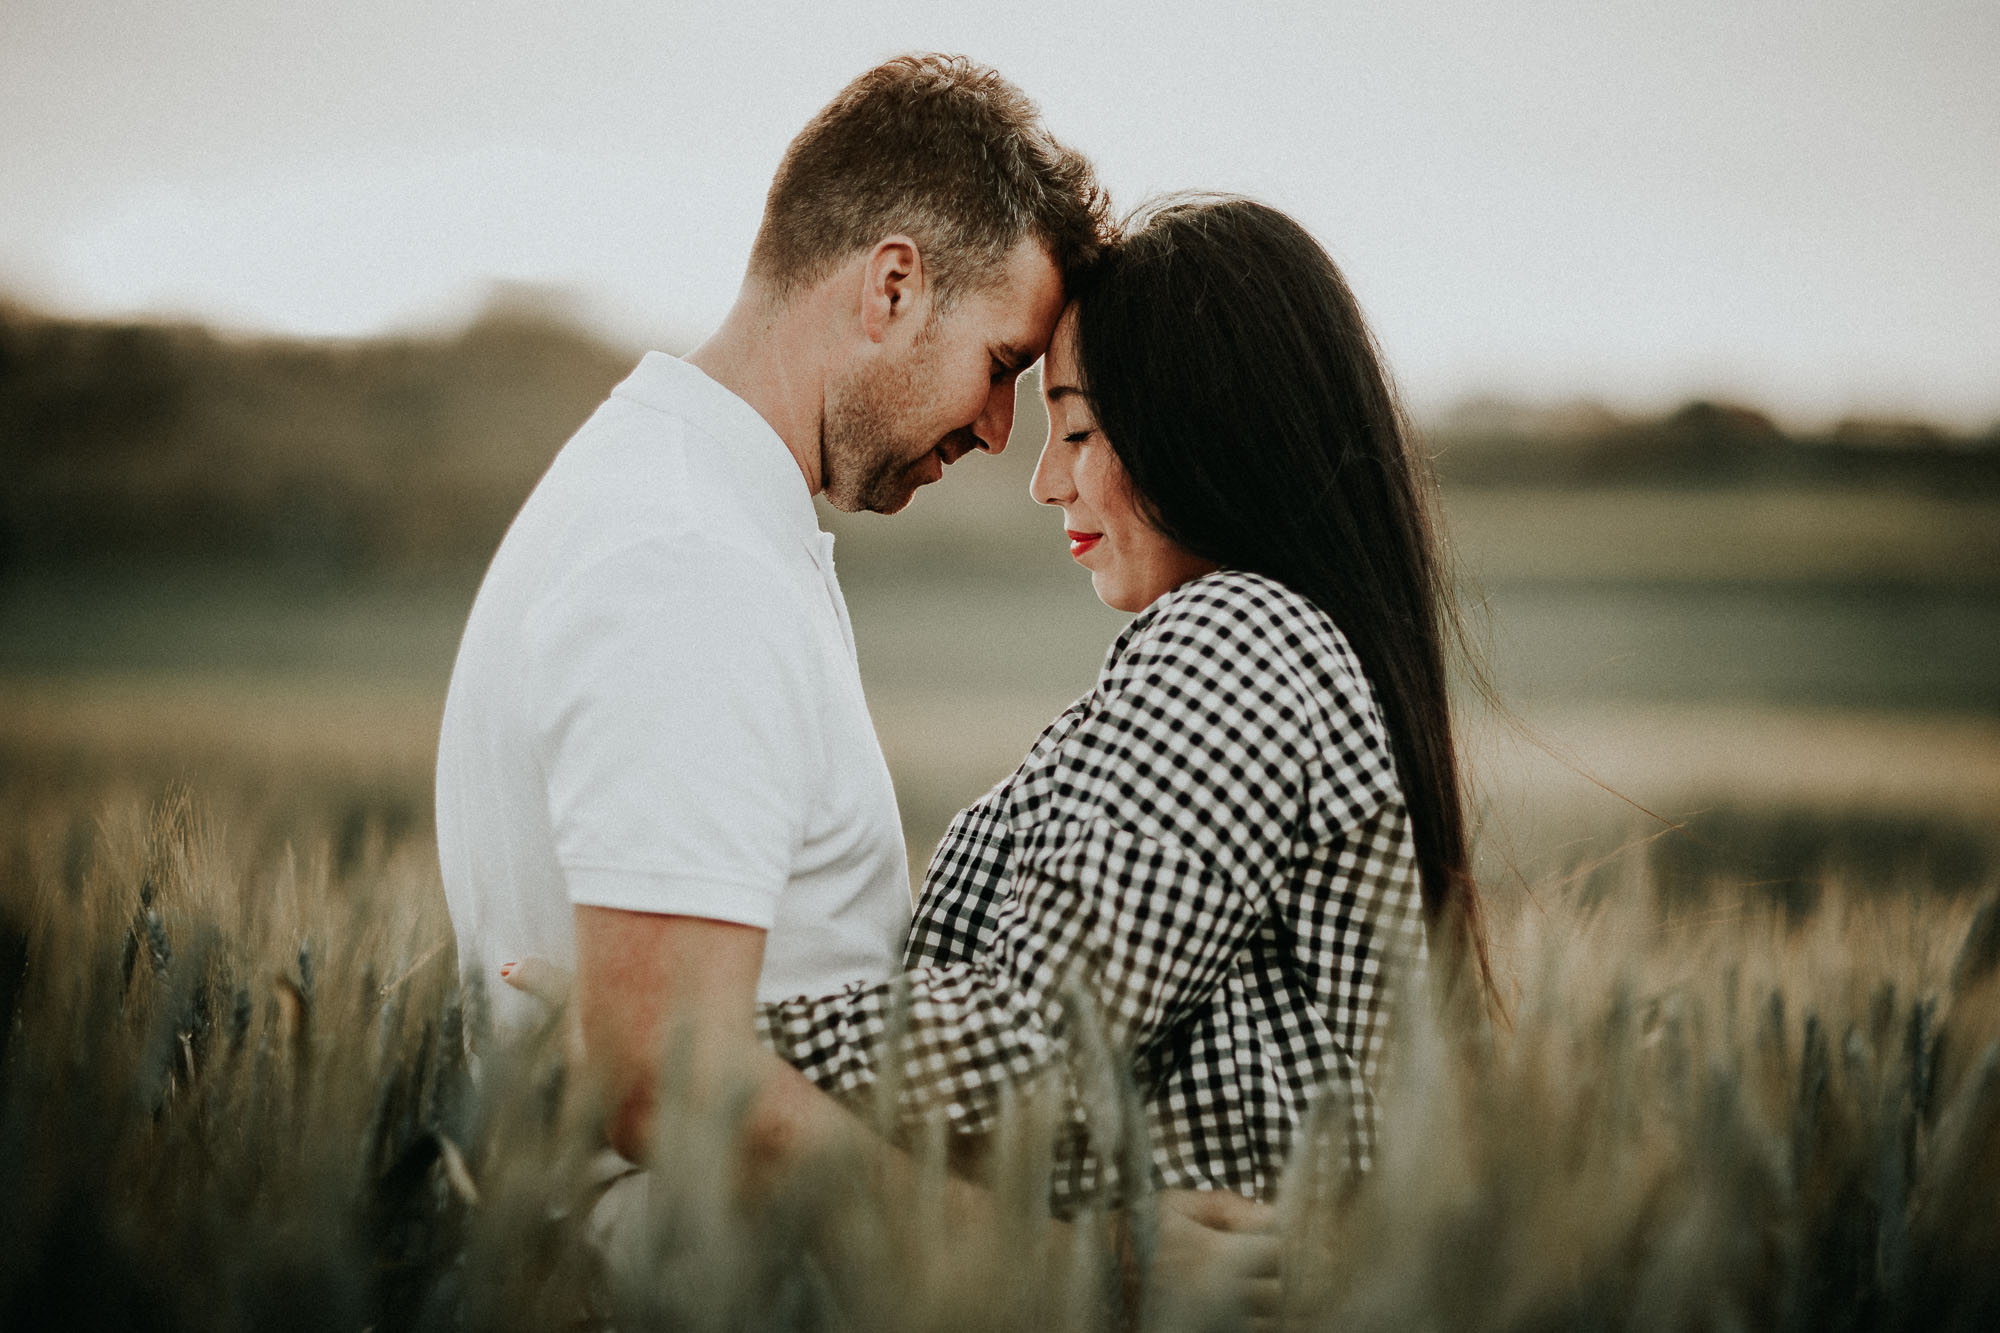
1016 359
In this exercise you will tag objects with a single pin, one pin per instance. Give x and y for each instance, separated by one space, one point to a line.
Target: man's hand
1218 1251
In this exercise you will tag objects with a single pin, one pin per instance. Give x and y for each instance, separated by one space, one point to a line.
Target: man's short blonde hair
943 150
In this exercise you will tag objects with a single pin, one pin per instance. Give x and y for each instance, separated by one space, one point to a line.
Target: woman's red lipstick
1080 542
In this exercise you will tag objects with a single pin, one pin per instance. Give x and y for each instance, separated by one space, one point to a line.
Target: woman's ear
894 287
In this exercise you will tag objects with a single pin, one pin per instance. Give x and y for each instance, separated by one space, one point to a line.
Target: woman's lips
1081 542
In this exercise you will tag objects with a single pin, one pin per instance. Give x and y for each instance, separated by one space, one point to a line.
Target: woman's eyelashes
1079 436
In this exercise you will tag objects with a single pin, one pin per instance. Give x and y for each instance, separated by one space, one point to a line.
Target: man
656 765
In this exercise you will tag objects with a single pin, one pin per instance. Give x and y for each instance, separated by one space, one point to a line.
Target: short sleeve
671 685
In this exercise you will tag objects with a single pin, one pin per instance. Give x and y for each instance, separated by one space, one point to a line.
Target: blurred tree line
122 442
1706 444
131 442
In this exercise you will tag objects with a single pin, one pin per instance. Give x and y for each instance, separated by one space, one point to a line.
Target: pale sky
1797 204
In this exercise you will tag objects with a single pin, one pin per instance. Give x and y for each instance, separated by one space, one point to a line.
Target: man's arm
646 982
662 996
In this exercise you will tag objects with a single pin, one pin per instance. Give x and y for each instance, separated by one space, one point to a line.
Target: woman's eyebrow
1057 392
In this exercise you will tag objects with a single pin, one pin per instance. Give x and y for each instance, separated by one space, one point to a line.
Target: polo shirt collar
745 443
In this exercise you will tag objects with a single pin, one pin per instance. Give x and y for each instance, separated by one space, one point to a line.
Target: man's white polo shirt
656 707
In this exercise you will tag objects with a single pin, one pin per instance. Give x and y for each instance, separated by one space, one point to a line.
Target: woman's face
1130 562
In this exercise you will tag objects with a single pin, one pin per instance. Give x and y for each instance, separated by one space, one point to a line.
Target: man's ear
894 287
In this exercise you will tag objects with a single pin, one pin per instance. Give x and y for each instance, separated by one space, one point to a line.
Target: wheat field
237 1095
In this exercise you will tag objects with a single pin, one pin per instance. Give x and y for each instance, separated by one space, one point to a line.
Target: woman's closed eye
1079 436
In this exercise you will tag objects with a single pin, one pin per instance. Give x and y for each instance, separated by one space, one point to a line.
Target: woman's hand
554 985
1218 1251
548 982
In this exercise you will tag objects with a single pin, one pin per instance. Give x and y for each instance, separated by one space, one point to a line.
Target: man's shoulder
634 478
642 520
677 446
671 398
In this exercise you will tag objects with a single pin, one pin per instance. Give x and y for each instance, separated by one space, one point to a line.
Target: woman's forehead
1059 367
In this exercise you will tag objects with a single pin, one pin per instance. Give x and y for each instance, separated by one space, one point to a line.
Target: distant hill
129 442
124 440
1704 445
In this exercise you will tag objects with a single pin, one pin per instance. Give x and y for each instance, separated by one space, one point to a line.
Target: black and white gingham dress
1207 861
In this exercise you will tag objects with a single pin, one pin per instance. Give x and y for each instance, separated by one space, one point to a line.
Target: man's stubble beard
866 461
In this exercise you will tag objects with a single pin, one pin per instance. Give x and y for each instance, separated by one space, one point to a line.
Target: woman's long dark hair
1230 369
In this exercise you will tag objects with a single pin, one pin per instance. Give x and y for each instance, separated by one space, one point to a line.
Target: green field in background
974 628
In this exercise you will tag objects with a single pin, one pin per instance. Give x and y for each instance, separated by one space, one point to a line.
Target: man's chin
896 500
874 500
892 506
890 495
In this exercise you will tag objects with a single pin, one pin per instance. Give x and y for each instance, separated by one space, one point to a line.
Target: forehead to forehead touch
1059 370
1019 309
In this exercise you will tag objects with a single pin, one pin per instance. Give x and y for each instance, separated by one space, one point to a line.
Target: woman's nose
1051 484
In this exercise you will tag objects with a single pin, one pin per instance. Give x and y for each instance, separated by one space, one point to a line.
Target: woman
1230 857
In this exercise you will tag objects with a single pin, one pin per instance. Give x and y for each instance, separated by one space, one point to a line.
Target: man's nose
996 420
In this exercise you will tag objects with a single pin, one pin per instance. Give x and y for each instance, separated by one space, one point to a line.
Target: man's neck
767 355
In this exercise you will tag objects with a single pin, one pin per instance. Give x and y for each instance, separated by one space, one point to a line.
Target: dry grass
235 1096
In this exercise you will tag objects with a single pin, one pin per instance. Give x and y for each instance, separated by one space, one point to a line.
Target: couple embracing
657 773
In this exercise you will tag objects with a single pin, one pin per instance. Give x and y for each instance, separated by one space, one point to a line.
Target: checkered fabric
1200 883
